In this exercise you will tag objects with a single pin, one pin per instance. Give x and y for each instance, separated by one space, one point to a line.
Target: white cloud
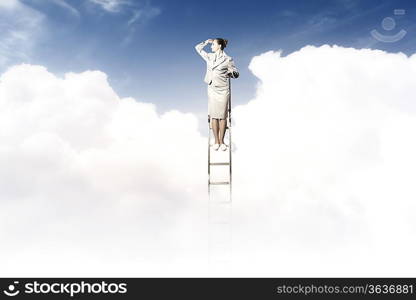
111 5
139 13
67 7
334 171
144 14
8 4
322 173
76 155
140 16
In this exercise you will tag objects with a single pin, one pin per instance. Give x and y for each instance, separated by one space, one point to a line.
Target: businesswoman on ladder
220 67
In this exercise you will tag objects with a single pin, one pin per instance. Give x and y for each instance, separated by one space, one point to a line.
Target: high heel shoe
223 147
216 146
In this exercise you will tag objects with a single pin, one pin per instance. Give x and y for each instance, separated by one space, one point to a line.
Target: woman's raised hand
209 41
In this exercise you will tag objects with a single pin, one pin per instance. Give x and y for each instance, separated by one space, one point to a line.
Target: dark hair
222 42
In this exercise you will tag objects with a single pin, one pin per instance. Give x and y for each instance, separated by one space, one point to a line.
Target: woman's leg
223 122
215 130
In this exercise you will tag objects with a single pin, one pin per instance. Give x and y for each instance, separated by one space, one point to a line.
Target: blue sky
147 47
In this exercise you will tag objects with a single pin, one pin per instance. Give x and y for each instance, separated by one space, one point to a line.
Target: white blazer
217 73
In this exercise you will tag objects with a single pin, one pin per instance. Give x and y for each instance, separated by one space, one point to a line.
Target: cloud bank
93 184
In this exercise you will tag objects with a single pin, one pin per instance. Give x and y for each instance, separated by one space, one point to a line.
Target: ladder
227 163
220 204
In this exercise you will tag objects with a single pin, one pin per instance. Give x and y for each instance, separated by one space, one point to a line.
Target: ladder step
215 202
220 164
220 223
220 182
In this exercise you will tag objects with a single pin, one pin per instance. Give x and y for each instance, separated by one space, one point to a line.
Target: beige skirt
218 101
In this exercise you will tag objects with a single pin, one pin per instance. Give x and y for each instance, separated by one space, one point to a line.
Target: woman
220 67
